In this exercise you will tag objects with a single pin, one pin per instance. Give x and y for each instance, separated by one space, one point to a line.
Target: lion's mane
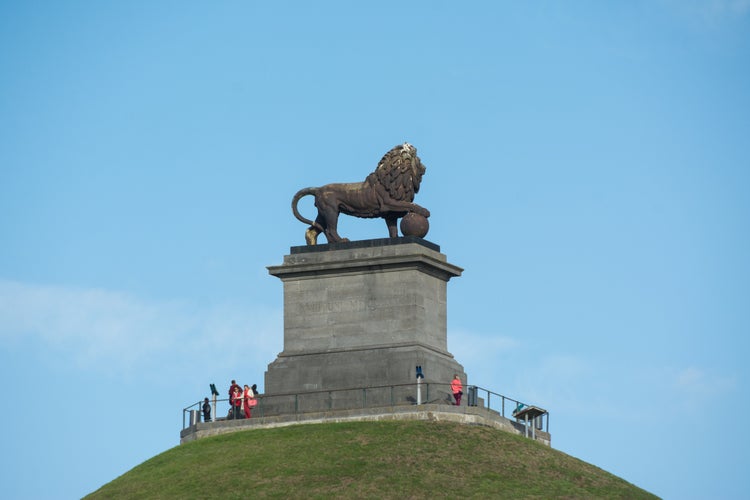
399 172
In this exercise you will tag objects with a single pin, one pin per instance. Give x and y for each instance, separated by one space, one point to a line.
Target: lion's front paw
423 212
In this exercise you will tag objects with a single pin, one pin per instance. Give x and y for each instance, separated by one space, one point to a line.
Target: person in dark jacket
206 410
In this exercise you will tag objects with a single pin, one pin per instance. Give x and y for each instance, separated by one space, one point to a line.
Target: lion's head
400 172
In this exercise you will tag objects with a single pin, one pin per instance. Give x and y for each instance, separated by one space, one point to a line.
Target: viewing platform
358 404
431 412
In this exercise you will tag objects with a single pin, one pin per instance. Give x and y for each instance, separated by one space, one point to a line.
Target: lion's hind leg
319 226
328 219
311 235
332 233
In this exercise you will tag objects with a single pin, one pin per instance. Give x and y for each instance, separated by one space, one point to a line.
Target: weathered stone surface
363 314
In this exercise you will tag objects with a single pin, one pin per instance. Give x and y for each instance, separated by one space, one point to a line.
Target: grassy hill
404 459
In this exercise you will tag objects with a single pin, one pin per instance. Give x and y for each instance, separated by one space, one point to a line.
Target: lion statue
387 192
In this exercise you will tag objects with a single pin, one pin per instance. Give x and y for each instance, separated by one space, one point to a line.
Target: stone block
363 314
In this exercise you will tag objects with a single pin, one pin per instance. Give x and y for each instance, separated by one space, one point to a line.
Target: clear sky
587 165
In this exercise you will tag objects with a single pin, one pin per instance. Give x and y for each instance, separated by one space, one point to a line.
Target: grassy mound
410 459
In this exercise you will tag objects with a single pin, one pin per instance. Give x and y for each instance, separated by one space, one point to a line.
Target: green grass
411 459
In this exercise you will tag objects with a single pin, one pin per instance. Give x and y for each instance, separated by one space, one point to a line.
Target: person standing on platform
231 398
206 410
248 397
231 389
254 401
236 402
458 389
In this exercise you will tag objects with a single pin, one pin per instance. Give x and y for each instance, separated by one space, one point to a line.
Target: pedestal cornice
376 256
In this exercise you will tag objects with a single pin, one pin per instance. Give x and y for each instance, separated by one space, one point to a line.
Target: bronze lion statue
387 192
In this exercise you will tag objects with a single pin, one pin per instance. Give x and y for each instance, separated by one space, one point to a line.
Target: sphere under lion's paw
413 224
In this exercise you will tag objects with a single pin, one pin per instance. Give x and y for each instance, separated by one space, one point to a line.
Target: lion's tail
301 194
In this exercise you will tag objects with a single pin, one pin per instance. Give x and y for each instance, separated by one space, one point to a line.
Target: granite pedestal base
358 318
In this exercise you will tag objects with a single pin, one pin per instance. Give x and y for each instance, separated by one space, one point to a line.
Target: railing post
503 412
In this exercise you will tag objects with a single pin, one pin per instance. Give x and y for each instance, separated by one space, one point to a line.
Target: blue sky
587 164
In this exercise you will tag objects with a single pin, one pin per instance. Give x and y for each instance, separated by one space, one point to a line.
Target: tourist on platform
248 398
236 402
231 397
458 389
231 389
254 401
206 410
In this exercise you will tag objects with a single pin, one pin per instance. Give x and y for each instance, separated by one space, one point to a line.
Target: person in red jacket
231 398
231 388
236 402
457 388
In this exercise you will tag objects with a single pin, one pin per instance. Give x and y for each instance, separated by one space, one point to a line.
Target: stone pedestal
364 314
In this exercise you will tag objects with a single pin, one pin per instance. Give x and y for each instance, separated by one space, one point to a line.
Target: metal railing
504 400
366 397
